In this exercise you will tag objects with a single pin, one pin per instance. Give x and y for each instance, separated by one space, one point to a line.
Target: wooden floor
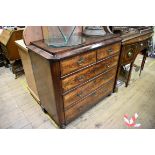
18 109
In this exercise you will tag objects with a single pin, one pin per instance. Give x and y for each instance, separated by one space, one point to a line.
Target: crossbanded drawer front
77 78
143 45
89 87
108 51
77 62
89 101
81 77
106 64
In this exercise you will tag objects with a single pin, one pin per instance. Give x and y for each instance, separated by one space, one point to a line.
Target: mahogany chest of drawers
70 80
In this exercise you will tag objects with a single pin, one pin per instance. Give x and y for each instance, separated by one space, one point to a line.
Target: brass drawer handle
81 78
141 44
130 54
108 65
79 94
110 50
80 61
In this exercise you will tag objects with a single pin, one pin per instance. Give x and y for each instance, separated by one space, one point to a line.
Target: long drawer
89 101
77 62
89 87
86 74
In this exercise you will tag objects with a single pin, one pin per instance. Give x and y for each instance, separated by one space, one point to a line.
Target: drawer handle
130 54
108 65
79 94
141 44
110 50
81 78
80 61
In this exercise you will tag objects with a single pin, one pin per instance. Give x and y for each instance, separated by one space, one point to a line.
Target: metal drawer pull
80 61
79 94
110 50
108 65
141 44
81 78
130 54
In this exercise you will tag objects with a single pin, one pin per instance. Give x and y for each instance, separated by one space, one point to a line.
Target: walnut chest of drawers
70 80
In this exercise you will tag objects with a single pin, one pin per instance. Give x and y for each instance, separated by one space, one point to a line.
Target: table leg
143 62
129 74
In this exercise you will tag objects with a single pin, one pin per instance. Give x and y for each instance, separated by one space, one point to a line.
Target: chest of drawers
71 80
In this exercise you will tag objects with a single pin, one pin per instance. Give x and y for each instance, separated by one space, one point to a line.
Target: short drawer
87 102
108 50
143 45
106 64
89 87
78 78
77 62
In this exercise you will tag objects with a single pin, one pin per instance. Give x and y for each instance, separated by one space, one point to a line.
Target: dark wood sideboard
70 80
133 44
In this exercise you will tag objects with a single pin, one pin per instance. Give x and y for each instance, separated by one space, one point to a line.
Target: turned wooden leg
143 62
129 74
115 85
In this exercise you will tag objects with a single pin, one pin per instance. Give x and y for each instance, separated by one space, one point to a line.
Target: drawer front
129 53
77 62
86 89
106 64
107 51
89 101
143 45
78 78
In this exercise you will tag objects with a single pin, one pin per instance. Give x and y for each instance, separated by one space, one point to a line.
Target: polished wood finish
75 63
87 88
132 45
89 101
70 78
107 51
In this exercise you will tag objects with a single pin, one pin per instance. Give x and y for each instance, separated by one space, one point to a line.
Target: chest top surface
91 43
